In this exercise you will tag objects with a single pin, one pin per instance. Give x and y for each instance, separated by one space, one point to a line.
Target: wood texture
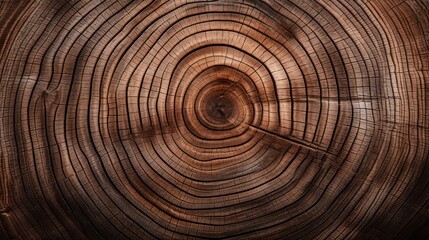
221 119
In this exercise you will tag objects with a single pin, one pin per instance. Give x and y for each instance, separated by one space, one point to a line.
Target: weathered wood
214 119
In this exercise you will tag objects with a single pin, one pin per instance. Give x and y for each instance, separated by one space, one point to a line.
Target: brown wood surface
220 119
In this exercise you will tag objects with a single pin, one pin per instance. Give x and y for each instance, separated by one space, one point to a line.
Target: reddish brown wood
220 119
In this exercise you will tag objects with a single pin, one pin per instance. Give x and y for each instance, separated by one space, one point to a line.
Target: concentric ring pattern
214 119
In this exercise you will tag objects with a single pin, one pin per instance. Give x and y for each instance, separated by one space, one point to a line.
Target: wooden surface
214 119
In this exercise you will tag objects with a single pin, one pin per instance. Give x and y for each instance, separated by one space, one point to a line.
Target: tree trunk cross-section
272 119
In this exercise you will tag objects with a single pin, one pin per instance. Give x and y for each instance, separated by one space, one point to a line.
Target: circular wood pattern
214 119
